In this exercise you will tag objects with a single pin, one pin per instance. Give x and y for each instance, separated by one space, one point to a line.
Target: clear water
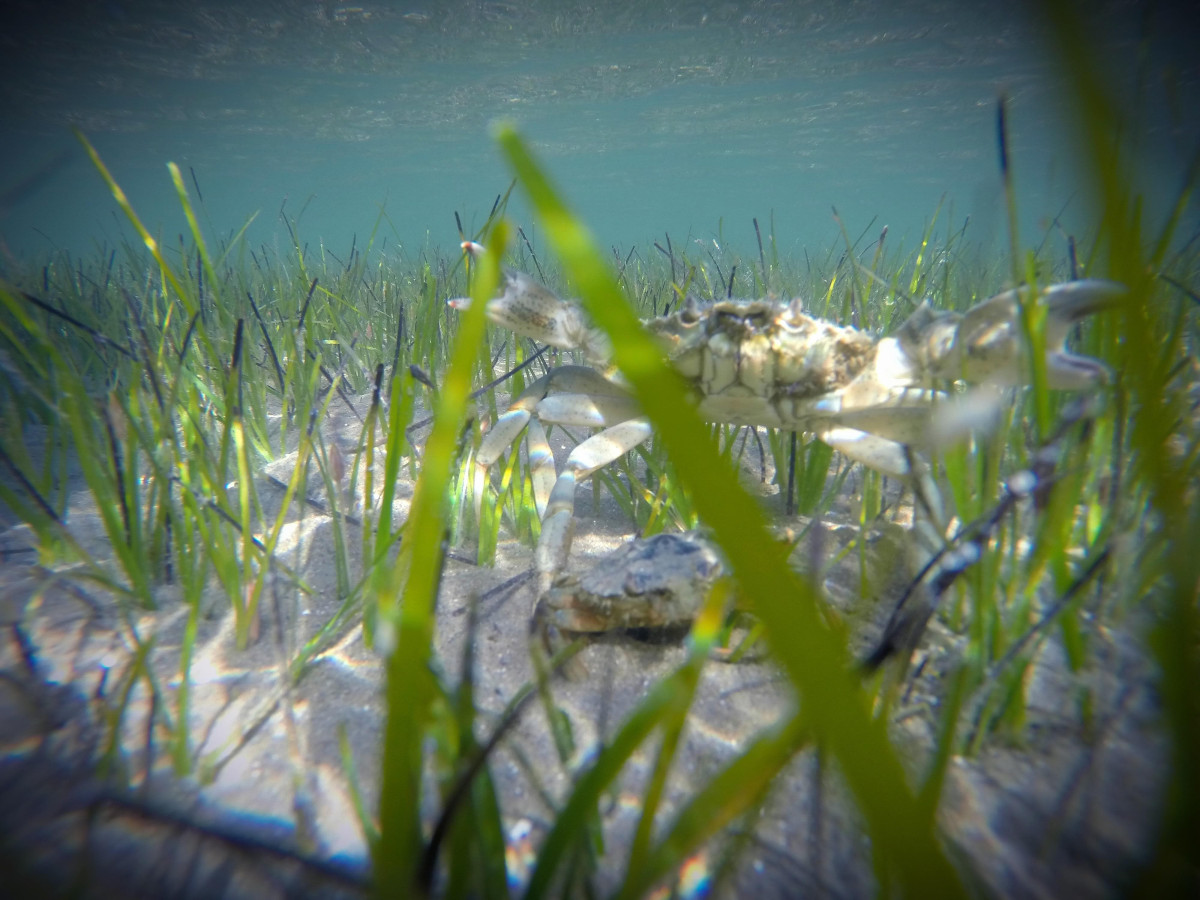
686 118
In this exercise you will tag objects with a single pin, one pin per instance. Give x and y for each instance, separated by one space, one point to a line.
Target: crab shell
767 363
654 582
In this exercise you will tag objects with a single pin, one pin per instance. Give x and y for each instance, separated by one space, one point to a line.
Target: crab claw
985 344
474 250
529 309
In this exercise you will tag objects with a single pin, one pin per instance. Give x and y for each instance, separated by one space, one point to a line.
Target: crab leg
985 344
897 460
572 380
569 395
532 310
558 526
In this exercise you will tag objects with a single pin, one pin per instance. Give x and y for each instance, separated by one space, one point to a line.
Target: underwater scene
538 449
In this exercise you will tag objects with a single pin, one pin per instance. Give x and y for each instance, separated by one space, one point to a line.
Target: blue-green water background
688 118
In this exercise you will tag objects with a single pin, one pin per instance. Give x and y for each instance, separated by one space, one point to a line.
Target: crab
655 582
764 363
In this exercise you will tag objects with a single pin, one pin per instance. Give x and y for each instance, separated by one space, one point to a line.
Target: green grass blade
147 238
410 688
731 793
670 696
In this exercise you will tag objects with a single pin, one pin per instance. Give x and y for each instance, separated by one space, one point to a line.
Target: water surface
690 118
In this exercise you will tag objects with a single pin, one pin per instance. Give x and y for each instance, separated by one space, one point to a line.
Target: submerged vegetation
165 378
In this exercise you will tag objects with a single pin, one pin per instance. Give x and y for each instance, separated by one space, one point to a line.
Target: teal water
686 118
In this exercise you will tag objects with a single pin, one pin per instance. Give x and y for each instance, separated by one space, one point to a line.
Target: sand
268 809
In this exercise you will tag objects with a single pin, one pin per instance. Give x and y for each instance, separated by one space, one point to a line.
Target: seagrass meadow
259 641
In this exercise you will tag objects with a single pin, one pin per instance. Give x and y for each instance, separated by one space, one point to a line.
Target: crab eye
690 314
758 318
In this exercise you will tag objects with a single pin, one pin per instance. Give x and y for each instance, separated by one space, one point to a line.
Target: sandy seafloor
1068 811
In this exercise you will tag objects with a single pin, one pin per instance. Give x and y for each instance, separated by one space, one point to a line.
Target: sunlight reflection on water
691 120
